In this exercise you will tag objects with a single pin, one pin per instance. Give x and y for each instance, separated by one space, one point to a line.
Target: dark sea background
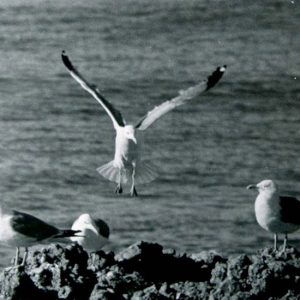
54 135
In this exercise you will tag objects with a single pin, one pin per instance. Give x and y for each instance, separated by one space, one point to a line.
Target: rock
52 273
99 293
191 290
275 275
16 284
140 251
262 276
149 293
157 265
208 257
101 260
231 279
147 271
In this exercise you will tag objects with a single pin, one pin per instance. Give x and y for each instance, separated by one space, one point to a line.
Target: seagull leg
285 242
133 192
275 242
93 258
17 256
24 257
119 189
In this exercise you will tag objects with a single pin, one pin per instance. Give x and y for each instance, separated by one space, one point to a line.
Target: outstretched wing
185 95
114 114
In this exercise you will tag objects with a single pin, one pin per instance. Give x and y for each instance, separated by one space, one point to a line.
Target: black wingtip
214 78
66 60
103 228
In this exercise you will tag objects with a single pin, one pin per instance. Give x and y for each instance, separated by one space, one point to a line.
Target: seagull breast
11 237
126 150
266 213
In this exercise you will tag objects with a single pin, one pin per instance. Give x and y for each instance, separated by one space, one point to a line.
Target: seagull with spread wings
127 162
19 229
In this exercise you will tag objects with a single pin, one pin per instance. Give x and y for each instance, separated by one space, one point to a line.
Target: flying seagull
95 233
276 213
127 162
19 229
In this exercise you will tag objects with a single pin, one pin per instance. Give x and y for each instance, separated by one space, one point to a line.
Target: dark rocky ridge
147 271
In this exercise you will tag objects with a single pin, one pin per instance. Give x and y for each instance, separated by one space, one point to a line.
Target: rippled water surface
140 53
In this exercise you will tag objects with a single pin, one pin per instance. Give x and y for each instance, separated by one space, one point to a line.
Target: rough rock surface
147 271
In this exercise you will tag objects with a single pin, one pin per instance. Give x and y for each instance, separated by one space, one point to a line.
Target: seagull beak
134 139
251 187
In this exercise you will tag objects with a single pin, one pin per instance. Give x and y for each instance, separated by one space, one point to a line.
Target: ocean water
54 135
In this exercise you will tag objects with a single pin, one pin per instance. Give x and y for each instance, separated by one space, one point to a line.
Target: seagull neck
269 196
121 137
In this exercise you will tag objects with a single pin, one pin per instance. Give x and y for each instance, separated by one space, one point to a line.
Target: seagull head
129 132
265 186
85 218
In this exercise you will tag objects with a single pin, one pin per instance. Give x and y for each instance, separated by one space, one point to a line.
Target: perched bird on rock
19 229
127 162
95 233
275 213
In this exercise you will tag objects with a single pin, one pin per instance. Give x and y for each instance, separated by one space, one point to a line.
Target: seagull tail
112 173
145 173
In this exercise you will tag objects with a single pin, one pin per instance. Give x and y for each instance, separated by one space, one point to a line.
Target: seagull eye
267 185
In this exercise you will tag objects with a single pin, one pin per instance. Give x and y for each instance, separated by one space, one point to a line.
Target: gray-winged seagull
19 229
127 162
276 213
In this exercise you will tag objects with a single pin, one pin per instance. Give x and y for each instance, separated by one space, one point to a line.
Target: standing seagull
18 229
95 233
275 213
127 162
